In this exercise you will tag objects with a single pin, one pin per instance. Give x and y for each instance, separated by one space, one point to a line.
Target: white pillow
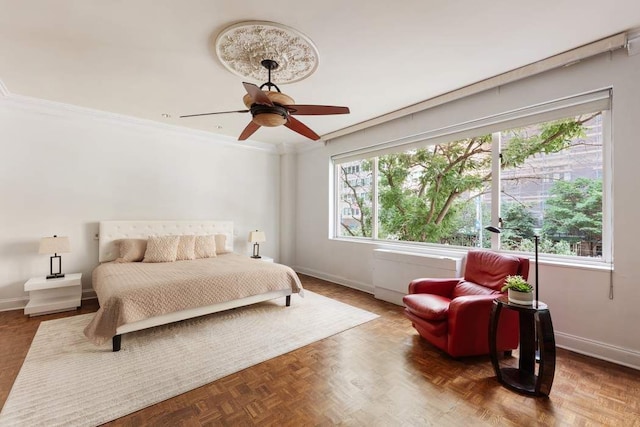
205 246
132 250
186 248
161 249
221 243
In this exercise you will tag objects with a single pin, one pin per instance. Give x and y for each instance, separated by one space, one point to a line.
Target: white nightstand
264 259
53 295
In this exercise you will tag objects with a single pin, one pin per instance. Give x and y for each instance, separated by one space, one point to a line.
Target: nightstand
53 295
264 259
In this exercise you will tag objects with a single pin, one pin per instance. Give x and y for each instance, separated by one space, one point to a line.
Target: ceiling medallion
242 47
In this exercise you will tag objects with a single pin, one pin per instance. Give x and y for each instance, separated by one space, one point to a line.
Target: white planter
522 298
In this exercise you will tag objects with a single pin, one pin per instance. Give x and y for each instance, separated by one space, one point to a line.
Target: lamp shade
257 237
54 245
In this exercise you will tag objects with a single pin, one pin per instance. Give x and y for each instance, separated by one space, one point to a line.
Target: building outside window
354 191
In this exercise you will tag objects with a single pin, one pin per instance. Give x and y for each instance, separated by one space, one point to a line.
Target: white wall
63 169
584 318
288 185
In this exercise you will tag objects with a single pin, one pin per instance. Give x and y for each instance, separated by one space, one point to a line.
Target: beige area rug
65 380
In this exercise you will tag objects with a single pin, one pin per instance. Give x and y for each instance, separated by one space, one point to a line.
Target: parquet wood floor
377 374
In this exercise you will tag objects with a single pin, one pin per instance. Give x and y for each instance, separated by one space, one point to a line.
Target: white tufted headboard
110 231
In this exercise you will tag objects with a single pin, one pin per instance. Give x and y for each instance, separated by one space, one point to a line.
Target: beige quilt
133 291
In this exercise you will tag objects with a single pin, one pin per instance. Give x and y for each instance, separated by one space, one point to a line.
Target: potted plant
520 291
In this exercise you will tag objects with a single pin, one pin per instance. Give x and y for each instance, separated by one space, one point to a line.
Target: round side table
536 333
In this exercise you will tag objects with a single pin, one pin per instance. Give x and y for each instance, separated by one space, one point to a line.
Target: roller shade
567 107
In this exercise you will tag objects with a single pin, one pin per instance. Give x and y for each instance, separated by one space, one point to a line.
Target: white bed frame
110 231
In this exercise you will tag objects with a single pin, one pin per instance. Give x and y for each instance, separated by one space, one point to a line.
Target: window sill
457 251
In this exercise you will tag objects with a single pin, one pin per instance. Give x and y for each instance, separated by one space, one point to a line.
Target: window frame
600 100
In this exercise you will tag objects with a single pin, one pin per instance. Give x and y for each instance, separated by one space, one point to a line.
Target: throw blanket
129 292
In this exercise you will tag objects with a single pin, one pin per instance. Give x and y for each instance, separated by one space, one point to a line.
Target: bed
139 295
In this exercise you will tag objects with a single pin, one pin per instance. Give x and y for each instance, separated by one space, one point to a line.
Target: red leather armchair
453 314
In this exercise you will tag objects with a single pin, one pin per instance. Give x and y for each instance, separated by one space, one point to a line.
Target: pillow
186 248
221 243
161 249
205 246
131 250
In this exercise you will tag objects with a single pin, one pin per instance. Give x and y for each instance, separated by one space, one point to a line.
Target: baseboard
89 294
9 304
364 287
388 295
599 350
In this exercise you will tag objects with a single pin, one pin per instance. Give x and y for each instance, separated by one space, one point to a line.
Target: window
539 174
434 194
354 193
565 211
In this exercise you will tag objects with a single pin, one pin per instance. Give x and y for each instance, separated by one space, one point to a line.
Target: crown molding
633 42
287 148
43 106
311 146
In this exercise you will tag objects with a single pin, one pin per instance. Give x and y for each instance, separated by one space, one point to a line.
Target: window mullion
496 162
374 200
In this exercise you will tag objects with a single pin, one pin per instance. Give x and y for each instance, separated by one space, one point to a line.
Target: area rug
65 380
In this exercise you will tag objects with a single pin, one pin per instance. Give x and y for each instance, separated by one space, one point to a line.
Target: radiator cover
393 270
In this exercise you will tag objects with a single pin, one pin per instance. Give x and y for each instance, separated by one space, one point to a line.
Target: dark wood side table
535 320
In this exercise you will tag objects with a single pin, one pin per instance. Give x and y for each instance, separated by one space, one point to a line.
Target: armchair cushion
469 288
437 329
489 269
427 306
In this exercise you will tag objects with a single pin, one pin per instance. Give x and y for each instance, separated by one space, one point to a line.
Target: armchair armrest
468 325
473 307
442 287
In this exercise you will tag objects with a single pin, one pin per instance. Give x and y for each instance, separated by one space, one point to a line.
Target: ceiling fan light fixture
269 115
269 120
275 97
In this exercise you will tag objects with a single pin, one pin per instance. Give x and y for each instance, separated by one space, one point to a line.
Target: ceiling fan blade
297 126
248 131
258 96
219 112
316 110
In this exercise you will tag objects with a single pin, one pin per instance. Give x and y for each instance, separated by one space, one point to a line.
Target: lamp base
58 274
256 251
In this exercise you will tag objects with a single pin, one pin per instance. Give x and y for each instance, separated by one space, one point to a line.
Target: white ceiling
144 58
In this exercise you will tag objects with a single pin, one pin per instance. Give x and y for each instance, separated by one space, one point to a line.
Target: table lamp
256 237
55 245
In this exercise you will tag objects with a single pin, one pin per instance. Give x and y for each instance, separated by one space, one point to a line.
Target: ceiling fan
274 108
